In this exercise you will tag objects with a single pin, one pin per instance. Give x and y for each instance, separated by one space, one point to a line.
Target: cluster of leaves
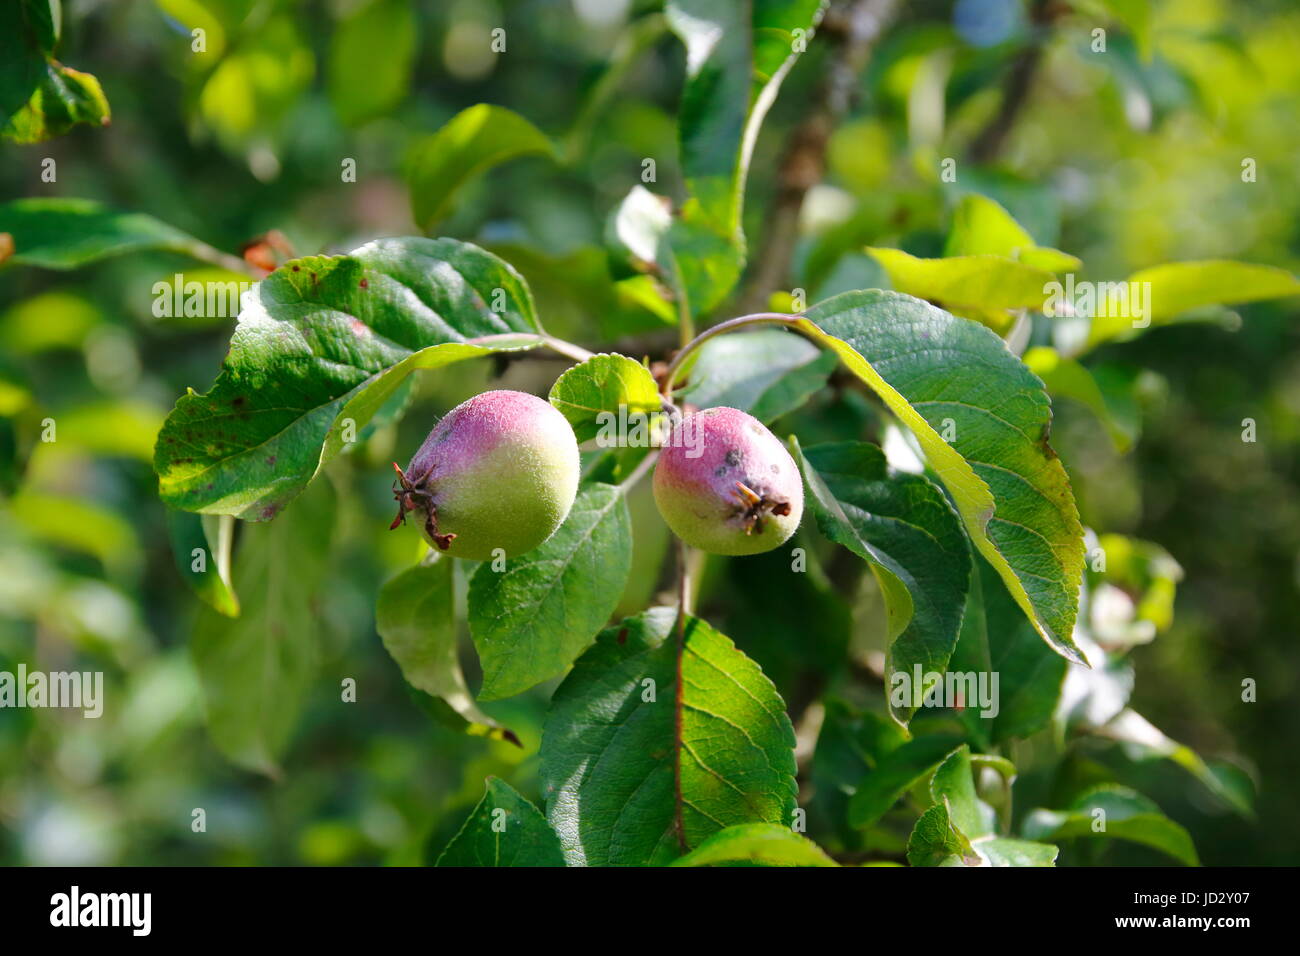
665 742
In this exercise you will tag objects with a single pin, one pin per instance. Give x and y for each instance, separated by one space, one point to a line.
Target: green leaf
1125 815
201 547
321 344
416 618
849 744
1066 378
79 524
70 233
471 142
1178 287
363 85
953 788
967 283
982 227
530 621
905 529
736 58
1144 741
63 98
997 639
897 771
504 830
758 844
696 258
255 87
768 373
603 385
258 669
640 766
1008 851
953 785
41 98
936 842
938 372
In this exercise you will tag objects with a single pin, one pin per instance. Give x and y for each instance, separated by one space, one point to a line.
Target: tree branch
853 27
1020 81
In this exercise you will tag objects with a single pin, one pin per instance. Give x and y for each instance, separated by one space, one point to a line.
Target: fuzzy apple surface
498 471
726 485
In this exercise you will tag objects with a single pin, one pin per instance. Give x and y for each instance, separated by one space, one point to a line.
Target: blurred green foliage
1127 159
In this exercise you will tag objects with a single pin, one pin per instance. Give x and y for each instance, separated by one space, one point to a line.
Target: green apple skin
503 470
707 455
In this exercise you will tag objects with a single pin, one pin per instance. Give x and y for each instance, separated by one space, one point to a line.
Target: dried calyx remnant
416 496
497 475
751 505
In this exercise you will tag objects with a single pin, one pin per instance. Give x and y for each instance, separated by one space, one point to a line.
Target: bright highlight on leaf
471 142
602 386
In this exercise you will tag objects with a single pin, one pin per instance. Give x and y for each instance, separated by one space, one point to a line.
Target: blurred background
1126 158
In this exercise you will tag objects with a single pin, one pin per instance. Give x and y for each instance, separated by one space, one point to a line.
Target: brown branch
853 27
1020 82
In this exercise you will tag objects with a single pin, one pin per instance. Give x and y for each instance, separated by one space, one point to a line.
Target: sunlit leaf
758 844
604 385
471 142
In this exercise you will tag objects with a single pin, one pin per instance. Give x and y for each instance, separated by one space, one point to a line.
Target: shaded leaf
767 373
906 530
70 233
1066 378
201 547
1143 741
936 842
628 752
935 371
416 618
736 58
953 788
530 621
1121 814
503 830
896 772
258 669
997 639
